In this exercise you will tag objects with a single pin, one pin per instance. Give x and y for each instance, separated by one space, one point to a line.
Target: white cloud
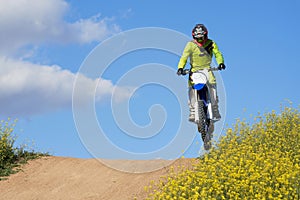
27 89
91 29
34 22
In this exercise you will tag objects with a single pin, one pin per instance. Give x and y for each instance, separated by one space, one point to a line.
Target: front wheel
202 120
208 136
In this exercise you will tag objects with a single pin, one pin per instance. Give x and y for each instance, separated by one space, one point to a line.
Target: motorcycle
202 106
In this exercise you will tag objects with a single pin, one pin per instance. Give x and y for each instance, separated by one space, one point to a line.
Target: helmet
200 32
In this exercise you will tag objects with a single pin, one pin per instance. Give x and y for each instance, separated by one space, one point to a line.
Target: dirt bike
202 106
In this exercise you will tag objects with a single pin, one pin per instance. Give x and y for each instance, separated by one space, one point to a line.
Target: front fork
203 96
196 106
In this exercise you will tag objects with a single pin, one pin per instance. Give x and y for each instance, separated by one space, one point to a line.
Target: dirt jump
85 179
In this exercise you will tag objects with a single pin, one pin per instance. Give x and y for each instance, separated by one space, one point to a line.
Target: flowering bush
6 144
259 161
10 156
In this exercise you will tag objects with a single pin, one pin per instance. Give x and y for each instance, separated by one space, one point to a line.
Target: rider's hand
179 71
221 66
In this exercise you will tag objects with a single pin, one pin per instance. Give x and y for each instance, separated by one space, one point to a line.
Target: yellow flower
260 161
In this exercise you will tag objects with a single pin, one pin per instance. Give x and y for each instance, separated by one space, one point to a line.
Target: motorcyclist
200 52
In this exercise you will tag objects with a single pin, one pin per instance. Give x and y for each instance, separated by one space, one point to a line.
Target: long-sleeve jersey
201 57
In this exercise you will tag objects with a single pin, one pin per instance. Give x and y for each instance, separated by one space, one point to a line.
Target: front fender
198 86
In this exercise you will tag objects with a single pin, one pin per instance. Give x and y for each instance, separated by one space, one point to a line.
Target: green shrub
10 156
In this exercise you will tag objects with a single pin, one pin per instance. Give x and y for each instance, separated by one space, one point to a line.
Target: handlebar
187 71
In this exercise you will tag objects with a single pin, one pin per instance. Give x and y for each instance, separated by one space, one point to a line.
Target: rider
200 52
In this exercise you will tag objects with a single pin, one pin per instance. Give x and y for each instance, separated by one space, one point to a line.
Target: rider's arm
218 54
185 55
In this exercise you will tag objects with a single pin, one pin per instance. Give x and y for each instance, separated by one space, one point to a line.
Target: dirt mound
71 178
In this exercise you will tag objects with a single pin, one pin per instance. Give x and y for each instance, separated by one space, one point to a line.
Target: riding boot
216 113
191 103
214 102
192 114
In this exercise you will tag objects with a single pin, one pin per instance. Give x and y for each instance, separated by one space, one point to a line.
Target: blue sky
44 44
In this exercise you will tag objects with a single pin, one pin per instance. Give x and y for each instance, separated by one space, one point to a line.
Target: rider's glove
221 66
179 71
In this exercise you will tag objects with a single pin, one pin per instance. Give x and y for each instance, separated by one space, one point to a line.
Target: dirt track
70 178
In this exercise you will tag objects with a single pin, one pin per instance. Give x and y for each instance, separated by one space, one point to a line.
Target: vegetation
258 161
11 157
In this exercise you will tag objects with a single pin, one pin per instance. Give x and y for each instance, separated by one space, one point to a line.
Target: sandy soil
70 178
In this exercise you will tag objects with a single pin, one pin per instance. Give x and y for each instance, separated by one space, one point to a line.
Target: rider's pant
213 94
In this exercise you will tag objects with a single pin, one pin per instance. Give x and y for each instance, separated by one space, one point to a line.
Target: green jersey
201 56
